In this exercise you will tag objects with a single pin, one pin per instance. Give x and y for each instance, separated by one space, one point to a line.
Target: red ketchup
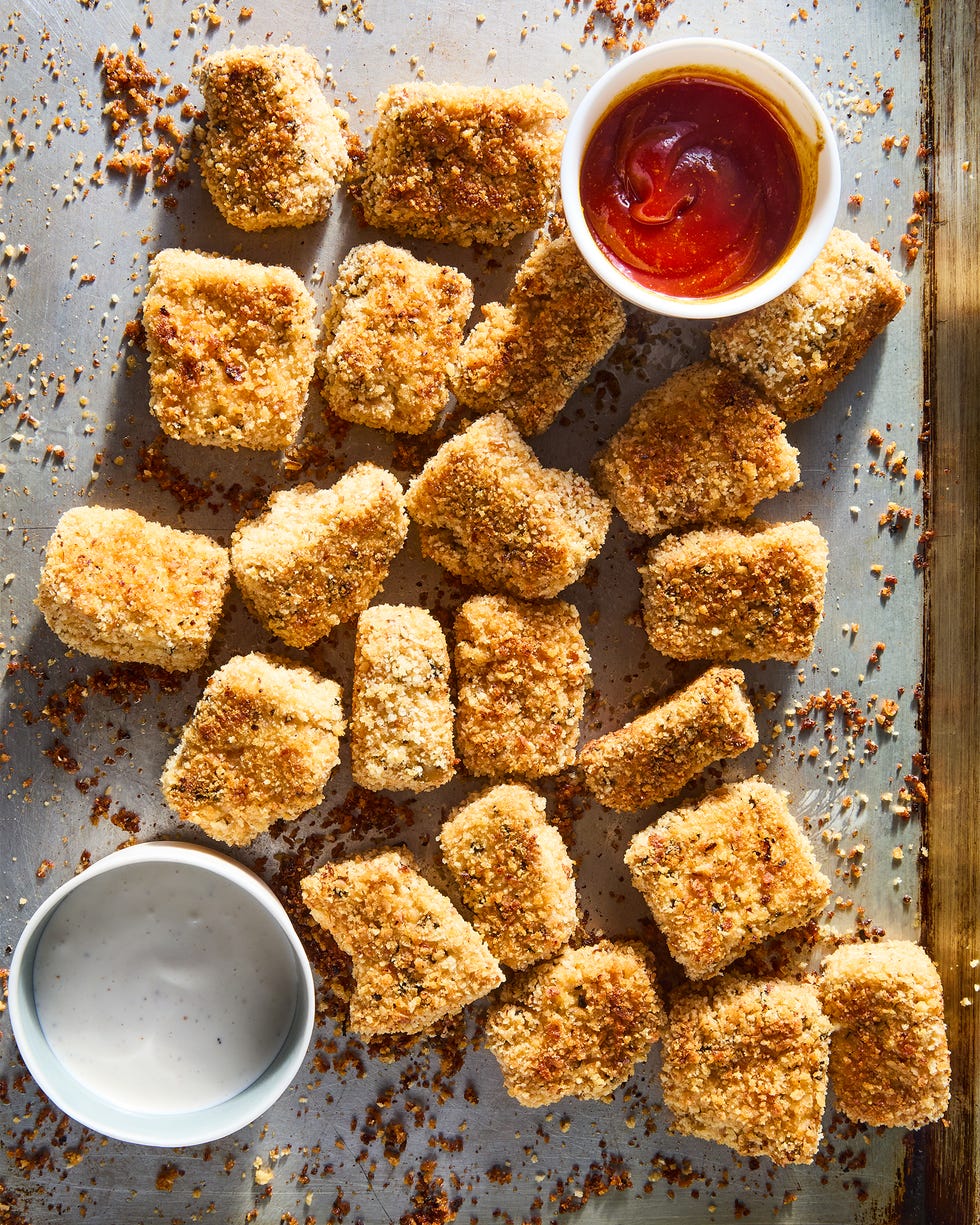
692 185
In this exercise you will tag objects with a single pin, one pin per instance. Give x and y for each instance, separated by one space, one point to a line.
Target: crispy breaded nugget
749 592
797 348
725 874
651 759
527 357
416 959
521 673
701 448
316 557
401 714
259 748
745 1063
120 587
514 873
490 513
462 163
578 1025
390 337
230 349
889 1054
274 150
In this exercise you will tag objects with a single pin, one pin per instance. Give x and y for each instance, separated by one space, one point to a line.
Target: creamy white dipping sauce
164 988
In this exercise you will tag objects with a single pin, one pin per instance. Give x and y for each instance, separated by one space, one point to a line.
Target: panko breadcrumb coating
701 448
889 1054
797 348
577 1026
401 714
230 350
462 163
120 587
725 874
521 672
416 959
514 873
527 357
316 557
490 513
745 1064
259 748
391 335
749 592
274 150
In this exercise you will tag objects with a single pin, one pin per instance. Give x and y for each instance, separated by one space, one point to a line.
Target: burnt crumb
167 1176
430 1203
648 12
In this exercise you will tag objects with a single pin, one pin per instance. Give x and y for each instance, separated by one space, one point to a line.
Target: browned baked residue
623 23
135 113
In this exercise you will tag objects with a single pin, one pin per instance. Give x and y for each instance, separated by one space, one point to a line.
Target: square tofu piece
416 959
117 586
514 873
725 874
462 163
274 150
231 348
390 337
745 1064
260 746
521 673
316 557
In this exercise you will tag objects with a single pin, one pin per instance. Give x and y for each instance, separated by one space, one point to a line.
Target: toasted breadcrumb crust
889 1053
120 587
416 959
527 357
797 348
274 150
521 672
725 874
259 748
490 513
749 592
651 759
701 448
231 348
460 163
578 1025
316 557
514 873
401 715
745 1064
391 336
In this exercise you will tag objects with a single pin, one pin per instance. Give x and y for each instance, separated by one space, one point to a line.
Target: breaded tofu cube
416 959
259 748
274 150
526 358
797 348
749 592
231 348
723 875
401 713
701 448
578 1025
889 1054
514 873
521 674
651 759
316 557
745 1064
120 587
462 163
391 335
488 512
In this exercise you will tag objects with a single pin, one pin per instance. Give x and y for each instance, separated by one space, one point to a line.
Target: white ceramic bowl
777 84
221 876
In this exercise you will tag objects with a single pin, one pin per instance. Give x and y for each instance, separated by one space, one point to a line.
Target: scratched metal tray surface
427 1132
